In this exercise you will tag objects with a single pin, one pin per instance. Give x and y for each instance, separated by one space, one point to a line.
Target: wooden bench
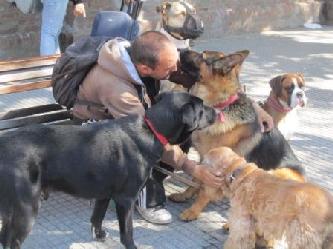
21 75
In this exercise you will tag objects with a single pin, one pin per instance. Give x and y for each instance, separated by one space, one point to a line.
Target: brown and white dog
237 126
286 97
269 211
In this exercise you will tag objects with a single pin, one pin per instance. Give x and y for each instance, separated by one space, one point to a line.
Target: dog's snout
299 94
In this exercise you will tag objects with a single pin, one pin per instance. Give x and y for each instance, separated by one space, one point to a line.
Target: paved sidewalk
63 221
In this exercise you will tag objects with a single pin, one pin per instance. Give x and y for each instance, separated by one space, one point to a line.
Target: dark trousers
155 192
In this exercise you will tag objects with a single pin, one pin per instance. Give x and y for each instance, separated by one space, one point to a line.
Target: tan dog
174 22
269 211
286 96
237 126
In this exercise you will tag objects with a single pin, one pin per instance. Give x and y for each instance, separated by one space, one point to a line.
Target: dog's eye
289 89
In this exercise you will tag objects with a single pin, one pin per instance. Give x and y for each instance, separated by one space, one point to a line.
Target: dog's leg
200 203
125 217
21 223
97 218
184 196
241 231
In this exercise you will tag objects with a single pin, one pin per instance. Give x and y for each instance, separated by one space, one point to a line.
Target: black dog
110 159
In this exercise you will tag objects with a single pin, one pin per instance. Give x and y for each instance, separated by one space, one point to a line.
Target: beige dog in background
286 97
267 210
174 16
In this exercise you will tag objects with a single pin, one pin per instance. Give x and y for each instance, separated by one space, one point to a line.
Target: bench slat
26 86
26 74
35 119
27 63
30 111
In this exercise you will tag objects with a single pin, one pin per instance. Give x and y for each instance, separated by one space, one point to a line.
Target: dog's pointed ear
190 57
276 85
227 63
211 56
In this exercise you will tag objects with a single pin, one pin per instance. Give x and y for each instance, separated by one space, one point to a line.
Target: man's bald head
149 46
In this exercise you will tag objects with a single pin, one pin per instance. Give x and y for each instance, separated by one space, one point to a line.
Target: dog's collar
234 174
163 140
276 105
223 105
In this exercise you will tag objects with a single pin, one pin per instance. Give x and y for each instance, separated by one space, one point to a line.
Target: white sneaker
156 215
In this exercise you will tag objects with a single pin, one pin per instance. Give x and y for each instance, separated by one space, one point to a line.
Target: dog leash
177 177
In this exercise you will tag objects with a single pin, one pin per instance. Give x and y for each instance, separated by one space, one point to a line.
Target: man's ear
144 70
189 117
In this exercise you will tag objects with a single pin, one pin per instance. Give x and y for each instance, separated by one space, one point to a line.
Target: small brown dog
267 210
286 96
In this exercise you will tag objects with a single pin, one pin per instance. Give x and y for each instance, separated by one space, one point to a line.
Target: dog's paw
178 197
99 234
188 215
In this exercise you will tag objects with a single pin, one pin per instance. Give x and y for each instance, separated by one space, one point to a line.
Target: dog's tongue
221 117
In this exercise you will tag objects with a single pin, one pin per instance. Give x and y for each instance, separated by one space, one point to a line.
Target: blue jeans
53 15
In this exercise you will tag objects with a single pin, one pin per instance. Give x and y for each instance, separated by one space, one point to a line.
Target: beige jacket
111 83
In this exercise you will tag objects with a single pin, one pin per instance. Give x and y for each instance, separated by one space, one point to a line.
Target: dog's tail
289 174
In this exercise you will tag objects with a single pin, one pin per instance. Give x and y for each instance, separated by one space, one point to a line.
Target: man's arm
175 157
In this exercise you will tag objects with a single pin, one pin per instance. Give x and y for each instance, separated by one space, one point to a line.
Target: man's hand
79 10
264 119
207 176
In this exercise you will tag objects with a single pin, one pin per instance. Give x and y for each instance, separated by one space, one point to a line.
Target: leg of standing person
152 198
53 15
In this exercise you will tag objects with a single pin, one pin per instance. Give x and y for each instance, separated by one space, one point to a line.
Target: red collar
225 104
158 135
276 105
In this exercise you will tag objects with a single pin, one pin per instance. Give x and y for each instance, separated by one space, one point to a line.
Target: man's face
166 65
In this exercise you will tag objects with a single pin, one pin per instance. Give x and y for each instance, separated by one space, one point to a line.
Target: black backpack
78 59
72 67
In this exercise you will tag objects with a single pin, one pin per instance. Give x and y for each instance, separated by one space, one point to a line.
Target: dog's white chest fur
289 124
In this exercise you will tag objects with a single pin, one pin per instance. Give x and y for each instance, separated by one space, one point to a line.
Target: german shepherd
237 126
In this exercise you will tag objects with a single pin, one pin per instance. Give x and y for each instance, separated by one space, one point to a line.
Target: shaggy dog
266 210
106 160
286 96
236 126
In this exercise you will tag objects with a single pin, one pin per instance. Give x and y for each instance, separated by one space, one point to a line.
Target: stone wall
19 33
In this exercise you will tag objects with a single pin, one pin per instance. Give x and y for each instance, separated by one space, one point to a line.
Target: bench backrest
26 75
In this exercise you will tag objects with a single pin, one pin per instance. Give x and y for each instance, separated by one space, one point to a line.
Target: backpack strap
141 93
